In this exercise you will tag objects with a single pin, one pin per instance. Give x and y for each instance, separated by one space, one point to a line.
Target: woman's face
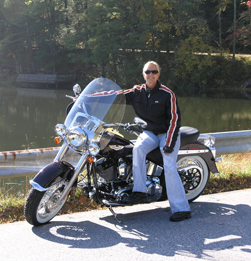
151 79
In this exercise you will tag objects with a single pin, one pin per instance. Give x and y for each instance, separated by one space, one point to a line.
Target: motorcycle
104 170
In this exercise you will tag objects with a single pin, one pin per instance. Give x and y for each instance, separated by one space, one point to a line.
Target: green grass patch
235 174
11 208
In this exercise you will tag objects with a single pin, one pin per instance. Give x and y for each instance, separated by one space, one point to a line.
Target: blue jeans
146 142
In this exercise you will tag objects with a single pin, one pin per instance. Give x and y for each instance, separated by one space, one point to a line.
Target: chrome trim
191 166
78 169
213 150
70 147
76 89
218 160
182 152
81 137
94 148
60 129
207 140
36 186
116 147
122 191
61 153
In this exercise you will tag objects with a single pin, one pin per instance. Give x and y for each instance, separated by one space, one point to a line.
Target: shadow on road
214 226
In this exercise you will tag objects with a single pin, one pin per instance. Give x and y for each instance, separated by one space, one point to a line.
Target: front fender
199 149
47 176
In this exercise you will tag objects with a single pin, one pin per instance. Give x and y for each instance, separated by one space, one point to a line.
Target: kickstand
114 214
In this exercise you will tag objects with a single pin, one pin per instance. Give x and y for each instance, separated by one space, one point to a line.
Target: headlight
94 148
76 137
60 129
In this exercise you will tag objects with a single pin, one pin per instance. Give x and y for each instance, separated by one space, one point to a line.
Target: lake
28 116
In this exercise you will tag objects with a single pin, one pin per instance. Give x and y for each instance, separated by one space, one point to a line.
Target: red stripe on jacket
174 116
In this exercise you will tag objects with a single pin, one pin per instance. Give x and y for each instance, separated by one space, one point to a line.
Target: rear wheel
41 207
194 174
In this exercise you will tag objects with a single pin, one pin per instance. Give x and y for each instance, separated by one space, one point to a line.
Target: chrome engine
116 182
112 173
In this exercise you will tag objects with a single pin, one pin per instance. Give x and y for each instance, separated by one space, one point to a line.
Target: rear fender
50 173
199 149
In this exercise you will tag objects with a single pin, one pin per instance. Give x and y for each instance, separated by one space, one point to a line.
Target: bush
195 72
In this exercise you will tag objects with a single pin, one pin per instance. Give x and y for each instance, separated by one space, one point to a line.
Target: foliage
113 39
198 74
242 36
193 63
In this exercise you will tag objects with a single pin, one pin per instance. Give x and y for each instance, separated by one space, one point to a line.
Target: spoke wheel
41 207
194 174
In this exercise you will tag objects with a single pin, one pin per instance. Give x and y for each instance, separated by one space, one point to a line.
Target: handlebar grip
136 129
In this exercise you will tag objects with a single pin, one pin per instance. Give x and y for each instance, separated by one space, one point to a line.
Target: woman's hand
167 150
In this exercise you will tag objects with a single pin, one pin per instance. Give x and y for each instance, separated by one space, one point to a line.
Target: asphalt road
220 229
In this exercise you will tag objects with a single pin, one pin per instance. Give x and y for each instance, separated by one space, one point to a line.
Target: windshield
102 99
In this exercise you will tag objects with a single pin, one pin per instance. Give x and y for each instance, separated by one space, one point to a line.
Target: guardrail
29 162
232 142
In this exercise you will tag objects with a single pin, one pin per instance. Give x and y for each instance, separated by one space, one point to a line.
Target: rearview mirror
76 89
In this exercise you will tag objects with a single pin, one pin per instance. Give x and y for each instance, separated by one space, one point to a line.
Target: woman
157 105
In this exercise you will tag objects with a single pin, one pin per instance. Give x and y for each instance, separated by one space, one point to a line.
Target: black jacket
158 107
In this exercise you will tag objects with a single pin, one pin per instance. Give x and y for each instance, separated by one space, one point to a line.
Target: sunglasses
153 72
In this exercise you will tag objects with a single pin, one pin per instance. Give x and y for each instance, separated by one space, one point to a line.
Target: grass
235 174
12 207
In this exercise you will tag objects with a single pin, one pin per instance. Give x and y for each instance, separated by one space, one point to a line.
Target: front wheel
41 207
194 174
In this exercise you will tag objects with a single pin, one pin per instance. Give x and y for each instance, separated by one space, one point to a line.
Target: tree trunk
219 20
29 46
102 69
234 30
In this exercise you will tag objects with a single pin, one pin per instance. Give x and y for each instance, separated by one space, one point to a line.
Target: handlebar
111 125
127 127
135 129
71 97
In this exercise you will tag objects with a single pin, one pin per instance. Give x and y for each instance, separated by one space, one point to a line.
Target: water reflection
216 115
28 116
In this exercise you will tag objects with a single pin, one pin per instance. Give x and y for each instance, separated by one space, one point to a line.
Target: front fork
77 171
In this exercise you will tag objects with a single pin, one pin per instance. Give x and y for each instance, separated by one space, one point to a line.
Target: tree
47 19
242 35
13 41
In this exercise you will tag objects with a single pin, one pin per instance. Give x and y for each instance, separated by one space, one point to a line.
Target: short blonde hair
151 62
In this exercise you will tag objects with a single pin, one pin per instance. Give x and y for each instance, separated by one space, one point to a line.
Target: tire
41 207
196 176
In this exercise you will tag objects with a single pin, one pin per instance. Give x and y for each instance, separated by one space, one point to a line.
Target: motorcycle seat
188 135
